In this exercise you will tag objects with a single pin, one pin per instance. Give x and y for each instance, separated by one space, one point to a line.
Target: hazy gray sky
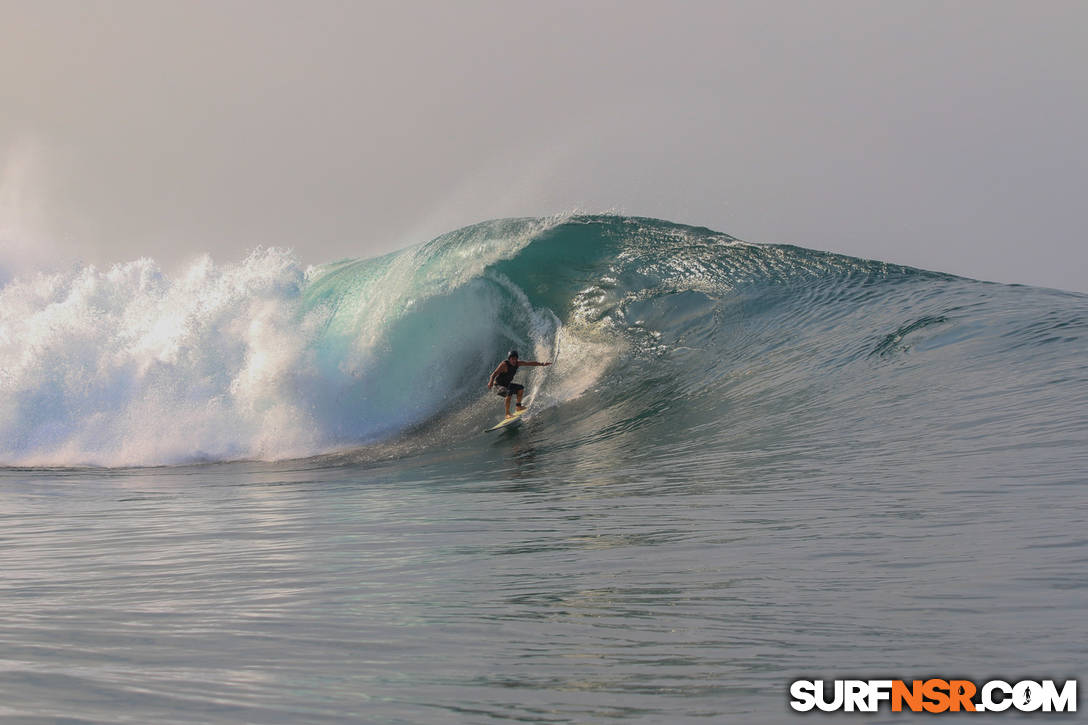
945 135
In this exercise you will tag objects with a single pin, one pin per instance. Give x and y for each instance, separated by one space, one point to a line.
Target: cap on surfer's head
512 353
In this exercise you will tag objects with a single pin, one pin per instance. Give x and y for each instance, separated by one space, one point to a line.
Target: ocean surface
260 492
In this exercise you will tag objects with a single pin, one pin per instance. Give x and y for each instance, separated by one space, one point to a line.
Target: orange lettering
936 691
912 695
962 691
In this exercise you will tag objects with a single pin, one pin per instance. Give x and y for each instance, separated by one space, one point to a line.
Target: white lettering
879 690
821 698
856 695
988 699
1065 701
1027 696
804 695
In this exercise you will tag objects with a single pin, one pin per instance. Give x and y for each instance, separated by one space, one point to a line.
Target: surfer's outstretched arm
534 363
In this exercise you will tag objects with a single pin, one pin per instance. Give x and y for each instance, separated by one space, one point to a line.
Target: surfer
504 378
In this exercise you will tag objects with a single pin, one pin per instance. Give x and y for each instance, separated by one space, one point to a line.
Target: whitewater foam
259 359
127 366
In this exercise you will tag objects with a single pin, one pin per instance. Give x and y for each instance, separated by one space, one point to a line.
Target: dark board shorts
511 389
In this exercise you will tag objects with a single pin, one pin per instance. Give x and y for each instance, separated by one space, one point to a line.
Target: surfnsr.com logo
933 695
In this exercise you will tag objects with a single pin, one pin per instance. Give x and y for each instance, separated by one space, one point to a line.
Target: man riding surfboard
504 378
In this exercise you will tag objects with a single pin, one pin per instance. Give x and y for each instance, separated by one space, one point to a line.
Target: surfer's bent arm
491 380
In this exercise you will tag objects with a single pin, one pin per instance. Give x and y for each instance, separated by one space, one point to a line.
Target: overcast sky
945 135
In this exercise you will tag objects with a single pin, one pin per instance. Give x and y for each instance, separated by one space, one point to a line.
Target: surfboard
511 421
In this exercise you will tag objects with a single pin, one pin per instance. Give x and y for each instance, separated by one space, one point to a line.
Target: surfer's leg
521 391
508 405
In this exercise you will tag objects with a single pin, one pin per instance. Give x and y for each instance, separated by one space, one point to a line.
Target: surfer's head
512 355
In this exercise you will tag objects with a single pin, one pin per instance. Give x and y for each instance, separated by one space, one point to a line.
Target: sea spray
126 365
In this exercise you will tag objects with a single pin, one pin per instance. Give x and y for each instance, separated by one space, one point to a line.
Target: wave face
678 337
